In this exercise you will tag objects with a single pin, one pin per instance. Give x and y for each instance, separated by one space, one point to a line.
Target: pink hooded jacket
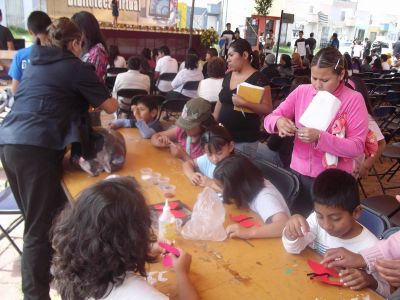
307 158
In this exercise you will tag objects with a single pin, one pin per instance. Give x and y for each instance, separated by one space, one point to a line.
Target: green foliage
20 33
262 7
209 37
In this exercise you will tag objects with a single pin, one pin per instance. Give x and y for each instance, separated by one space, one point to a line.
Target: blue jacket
54 93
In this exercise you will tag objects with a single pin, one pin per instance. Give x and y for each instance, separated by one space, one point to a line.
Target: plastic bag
207 220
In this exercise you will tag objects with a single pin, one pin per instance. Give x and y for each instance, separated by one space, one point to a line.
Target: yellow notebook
250 93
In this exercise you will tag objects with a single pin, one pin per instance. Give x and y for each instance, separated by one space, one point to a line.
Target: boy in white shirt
334 224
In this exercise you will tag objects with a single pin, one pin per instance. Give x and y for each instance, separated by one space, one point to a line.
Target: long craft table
233 269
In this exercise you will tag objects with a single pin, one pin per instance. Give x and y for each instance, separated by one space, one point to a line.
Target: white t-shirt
135 287
317 238
358 51
385 66
119 62
301 47
131 80
184 76
166 64
209 89
268 202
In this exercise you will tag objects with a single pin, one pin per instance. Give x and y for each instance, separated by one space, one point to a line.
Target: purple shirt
307 158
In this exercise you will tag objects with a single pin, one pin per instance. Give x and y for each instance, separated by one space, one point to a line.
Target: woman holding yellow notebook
244 121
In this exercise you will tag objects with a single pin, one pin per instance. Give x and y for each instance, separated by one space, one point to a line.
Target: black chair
190 86
382 89
8 206
165 77
395 219
116 71
172 107
158 98
392 152
386 205
374 221
279 81
125 97
111 75
286 182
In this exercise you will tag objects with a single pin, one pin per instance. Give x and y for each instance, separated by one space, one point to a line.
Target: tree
262 7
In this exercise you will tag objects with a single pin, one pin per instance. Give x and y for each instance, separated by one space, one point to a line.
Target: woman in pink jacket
384 257
328 73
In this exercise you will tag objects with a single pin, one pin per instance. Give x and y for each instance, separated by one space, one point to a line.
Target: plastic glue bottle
166 224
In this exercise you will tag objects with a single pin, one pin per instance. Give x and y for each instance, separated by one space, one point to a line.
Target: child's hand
235 230
206 181
389 270
296 227
357 279
196 178
136 112
285 127
176 150
155 249
341 257
163 140
182 263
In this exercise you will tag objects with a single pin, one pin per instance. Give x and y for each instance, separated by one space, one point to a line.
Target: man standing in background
300 45
6 38
228 35
312 43
367 47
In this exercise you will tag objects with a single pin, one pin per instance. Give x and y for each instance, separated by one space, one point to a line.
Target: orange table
232 269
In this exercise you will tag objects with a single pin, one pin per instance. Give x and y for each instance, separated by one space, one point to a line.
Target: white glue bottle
166 224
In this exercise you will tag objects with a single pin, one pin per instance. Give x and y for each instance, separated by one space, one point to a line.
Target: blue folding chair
374 221
8 206
389 232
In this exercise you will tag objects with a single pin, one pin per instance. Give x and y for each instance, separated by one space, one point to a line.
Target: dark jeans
34 174
303 204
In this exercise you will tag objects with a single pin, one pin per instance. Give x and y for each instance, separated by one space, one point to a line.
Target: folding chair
8 206
165 77
389 232
124 97
111 75
172 106
395 219
392 152
384 204
190 86
286 182
374 221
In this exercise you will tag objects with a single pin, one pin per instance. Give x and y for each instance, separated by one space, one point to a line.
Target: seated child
243 184
184 140
145 112
103 242
334 224
217 144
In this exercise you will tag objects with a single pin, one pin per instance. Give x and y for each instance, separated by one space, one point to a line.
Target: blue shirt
19 63
206 167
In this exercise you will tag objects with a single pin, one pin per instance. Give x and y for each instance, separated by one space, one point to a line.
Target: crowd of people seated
217 135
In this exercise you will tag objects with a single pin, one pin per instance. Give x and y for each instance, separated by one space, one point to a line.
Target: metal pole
279 38
191 24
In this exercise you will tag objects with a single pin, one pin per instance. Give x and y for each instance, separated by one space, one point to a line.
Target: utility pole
191 24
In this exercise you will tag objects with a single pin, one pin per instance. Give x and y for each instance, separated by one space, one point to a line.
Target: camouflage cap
195 112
